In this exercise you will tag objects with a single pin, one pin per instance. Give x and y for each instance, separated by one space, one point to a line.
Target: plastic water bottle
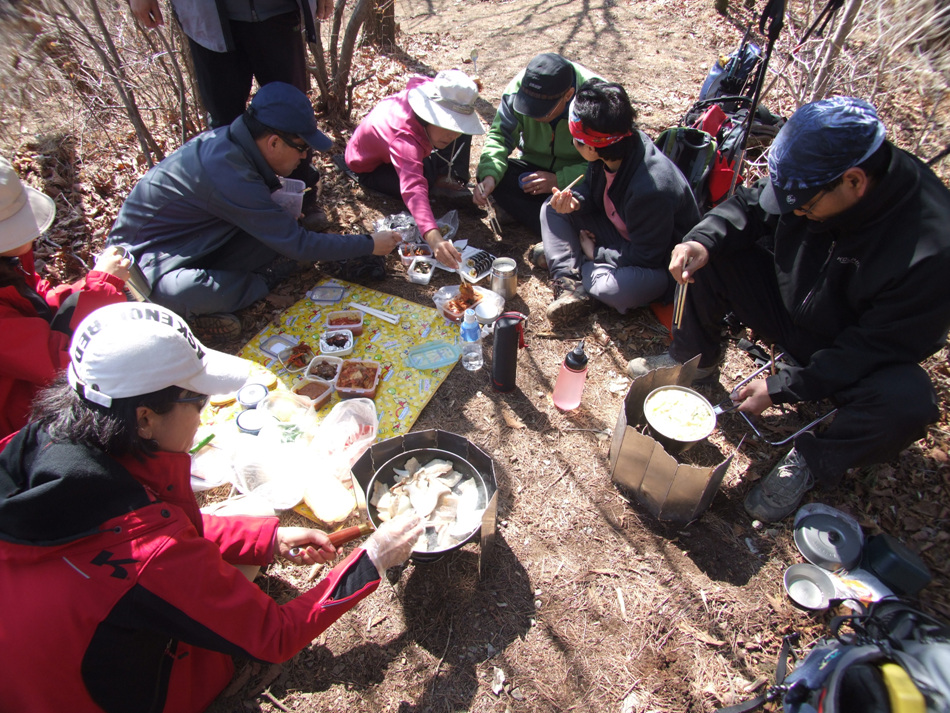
571 378
472 357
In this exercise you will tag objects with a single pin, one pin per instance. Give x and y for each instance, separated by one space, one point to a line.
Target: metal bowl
810 587
386 474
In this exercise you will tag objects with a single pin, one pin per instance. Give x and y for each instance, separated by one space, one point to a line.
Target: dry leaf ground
588 603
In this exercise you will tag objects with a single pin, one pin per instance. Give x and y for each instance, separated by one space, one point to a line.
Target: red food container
351 319
358 378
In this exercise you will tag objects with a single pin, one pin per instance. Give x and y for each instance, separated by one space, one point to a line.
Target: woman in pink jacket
416 141
35 318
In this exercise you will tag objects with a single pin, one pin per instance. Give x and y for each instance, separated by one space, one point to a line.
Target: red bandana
589 137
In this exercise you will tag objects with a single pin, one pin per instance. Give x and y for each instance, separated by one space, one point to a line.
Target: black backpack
893 659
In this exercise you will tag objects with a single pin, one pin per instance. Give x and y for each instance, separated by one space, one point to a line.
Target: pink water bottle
570 380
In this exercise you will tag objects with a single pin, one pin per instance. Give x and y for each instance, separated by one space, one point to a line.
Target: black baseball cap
283 107
545 80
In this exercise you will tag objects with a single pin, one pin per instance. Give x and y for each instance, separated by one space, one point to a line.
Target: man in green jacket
532 116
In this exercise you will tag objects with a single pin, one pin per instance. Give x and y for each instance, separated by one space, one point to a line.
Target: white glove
392 543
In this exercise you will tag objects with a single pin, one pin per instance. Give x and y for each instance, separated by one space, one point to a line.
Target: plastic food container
296 358
359 378
290 195
433 355
324 368
326 294
328 342
351 319
250 395
409 251
445 302
252 421
273 346
317 390
420 270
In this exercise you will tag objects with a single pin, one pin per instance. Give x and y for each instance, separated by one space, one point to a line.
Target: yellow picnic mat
403 391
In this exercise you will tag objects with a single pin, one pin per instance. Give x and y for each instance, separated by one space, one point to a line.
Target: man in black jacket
842 258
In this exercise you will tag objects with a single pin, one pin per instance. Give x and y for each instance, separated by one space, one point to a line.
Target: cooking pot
386 474
678 417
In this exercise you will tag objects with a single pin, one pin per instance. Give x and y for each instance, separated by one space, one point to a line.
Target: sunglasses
192 398
296 147
809 209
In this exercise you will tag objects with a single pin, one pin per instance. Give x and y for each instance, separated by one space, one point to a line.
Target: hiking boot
537 257
315 220
448 189
641 366
778 494
570 300
219 326
279 269
339 160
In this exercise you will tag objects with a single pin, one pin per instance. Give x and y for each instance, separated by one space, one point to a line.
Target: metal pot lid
828 541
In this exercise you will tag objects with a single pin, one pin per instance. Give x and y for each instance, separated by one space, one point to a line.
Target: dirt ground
587 602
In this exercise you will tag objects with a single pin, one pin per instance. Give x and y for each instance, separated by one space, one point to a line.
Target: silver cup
137 286
504 277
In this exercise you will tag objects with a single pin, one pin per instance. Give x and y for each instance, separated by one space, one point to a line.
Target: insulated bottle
571 378
509 336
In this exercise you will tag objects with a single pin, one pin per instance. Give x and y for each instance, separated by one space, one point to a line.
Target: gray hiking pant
224 281
622 288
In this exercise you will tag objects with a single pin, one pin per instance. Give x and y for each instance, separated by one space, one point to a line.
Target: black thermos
509 337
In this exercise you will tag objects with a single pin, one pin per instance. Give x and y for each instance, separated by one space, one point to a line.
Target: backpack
894 659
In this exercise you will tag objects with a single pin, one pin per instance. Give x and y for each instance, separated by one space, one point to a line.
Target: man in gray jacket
203 224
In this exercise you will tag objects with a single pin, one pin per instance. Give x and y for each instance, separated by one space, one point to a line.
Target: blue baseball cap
820 142
283 107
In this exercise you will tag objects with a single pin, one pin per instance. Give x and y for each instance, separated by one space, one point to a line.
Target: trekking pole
774 12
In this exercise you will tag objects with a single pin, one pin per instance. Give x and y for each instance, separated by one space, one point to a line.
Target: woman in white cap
35 318
108 568
420 140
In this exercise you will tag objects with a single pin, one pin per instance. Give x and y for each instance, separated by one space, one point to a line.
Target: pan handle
348 534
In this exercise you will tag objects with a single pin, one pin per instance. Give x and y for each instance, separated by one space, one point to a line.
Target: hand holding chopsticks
687 258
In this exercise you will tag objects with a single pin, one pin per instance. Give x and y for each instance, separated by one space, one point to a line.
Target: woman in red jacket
109 574
36 319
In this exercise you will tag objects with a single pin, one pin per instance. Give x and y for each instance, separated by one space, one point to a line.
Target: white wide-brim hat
448 101
132 349
25 213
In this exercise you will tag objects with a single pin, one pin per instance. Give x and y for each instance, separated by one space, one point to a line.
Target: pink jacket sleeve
407 156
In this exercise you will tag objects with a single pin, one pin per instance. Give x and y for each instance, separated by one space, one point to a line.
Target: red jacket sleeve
96 290
208 603
240 539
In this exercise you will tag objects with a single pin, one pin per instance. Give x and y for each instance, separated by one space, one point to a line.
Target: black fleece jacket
872 283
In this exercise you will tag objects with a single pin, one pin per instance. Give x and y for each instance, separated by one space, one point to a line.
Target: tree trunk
823 81
381 25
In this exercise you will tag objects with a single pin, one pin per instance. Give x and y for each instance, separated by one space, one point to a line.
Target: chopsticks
574 182
679 302
385 316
